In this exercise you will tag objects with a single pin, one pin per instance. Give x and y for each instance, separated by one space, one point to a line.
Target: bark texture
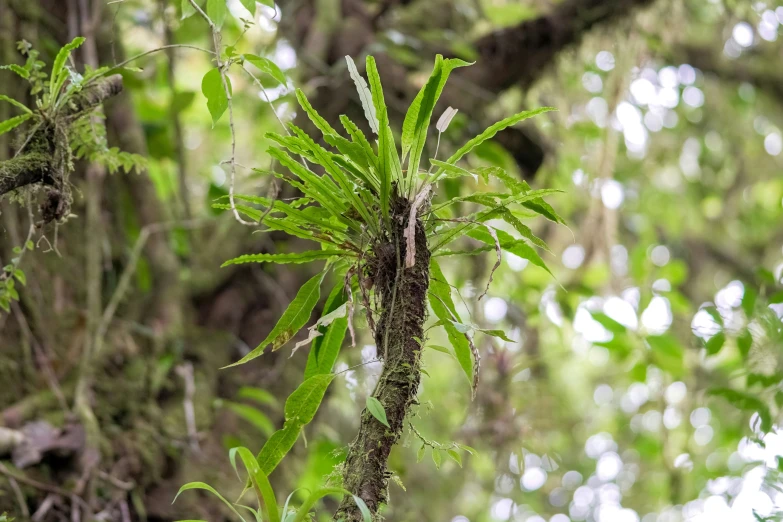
403 296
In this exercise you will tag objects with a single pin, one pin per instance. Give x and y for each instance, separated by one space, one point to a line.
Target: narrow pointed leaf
293 319
364 95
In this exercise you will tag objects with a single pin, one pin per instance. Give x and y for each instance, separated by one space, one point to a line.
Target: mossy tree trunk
403 298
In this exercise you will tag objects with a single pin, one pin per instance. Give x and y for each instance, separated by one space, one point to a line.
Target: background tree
642 374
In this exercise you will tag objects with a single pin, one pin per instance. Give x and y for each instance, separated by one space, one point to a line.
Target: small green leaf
216 10
420 453
436 458
456 457
58 73
267 66
15 103
365 95
212 88
21 71
375 407
715 343
19 275
299 257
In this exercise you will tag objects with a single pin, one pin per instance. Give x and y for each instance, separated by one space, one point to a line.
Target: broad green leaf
417 119
298 257
187 9
443 306
216 10
14 122
301 406
277 447
365 95
212 88
377 410
267 66
494 129
251 415
292 320
15 103
326 348
260 481
59 74
207 487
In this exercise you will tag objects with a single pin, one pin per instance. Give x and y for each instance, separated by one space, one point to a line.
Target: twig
19 497
185 371
42 486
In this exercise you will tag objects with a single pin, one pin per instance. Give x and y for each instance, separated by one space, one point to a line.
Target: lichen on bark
403 298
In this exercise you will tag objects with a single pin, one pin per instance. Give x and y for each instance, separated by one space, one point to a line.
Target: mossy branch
35 162
403 295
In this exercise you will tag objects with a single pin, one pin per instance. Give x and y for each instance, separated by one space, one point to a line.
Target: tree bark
403 297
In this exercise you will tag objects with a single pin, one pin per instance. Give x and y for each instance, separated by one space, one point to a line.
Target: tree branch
34 163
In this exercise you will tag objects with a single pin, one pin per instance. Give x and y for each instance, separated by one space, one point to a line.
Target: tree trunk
403 298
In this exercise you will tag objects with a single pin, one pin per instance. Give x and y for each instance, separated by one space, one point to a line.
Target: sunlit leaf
212 88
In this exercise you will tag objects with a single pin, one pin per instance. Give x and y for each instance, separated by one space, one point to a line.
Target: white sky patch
605 61
590 329
592 82
657 317
773 144
495 309
742 34
533 479
612 193
622 312
573 256
686 74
